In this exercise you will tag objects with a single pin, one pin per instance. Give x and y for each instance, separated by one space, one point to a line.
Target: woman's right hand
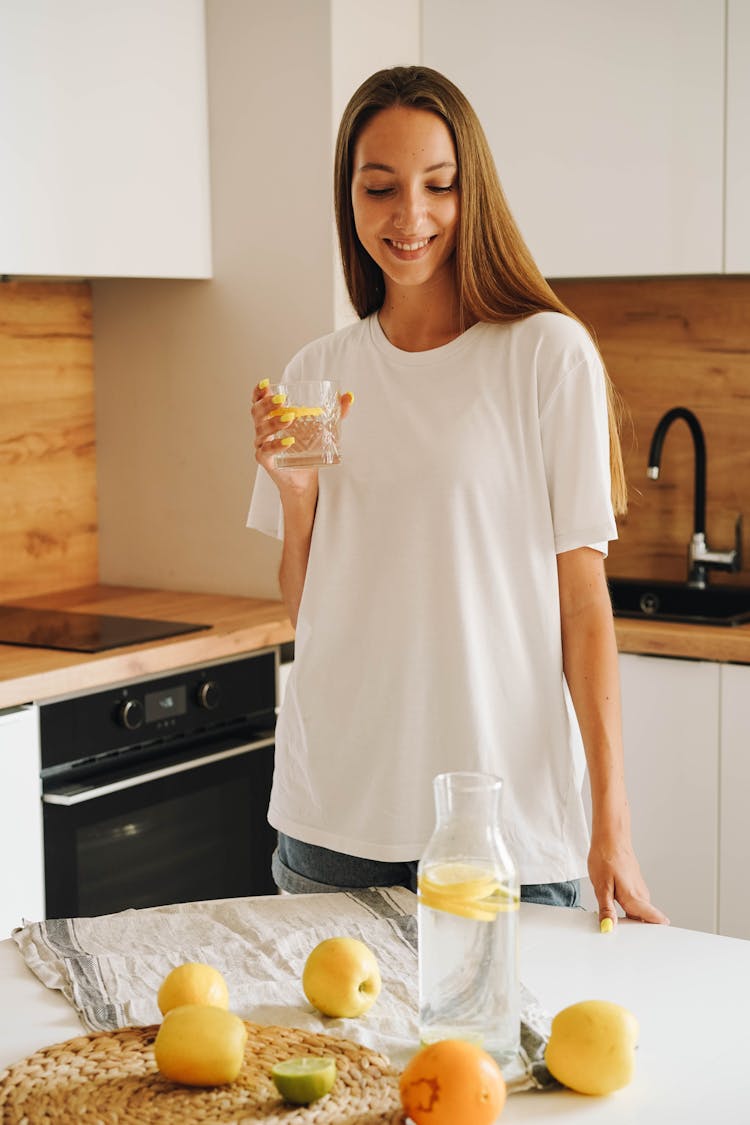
270 440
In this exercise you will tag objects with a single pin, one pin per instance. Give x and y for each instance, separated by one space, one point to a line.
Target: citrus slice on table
304 1080
466 889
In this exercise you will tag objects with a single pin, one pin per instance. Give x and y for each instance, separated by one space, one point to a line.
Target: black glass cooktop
82 632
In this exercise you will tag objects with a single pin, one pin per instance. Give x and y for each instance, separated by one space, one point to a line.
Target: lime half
304 1080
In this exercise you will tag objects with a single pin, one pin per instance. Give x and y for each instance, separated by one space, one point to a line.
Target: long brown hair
497 279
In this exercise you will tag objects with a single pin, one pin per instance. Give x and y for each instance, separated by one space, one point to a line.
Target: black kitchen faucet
700 557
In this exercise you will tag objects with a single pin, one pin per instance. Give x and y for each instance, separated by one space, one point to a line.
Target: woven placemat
110 1078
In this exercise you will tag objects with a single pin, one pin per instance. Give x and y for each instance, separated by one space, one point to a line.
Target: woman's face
405 195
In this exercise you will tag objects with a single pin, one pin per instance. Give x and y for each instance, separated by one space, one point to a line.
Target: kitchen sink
675 601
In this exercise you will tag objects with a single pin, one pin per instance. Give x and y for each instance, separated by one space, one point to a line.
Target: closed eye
440 190
378 191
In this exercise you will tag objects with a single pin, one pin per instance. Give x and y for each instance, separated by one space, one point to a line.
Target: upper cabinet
104 139
737 233
606 121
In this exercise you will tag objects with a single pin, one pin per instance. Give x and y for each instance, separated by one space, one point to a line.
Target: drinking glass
316 428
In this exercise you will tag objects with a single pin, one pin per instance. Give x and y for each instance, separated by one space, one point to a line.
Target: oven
155 791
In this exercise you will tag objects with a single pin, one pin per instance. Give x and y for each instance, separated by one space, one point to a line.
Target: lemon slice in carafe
466 889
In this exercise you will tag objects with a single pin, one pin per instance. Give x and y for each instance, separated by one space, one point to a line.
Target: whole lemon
192 983
592 1047
341 977
199 1045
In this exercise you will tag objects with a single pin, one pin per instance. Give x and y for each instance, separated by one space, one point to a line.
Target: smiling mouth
419 244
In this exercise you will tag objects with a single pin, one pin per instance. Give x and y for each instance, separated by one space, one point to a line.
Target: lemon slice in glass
304 1080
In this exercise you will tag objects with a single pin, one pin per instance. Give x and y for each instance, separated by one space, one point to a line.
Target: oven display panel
165 704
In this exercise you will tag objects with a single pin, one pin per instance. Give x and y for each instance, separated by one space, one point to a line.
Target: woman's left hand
616 877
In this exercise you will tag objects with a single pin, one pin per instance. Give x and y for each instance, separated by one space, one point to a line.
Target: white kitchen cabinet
671 731
670 720
21 841
737 231
606 121
734 901
104 139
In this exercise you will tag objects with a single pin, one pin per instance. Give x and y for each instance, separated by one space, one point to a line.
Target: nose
409 211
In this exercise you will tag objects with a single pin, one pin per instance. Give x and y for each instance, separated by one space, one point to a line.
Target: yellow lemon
193 983
592 1047
304 1080
200 1046
466 889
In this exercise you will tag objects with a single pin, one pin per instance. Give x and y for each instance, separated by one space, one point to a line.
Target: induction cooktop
83 632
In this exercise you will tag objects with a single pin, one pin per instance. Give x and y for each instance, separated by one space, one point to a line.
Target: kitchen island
690 992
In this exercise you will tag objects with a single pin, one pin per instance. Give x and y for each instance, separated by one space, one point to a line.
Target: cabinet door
734 843
22 879
671 729
606 123
737 233
104 139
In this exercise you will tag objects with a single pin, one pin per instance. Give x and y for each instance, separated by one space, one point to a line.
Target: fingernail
263 384
278 398
288 416
349 395
606 926
287 441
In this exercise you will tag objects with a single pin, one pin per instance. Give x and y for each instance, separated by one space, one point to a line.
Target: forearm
590 664
299 518
591 671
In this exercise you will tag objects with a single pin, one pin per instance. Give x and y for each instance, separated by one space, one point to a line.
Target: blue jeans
304 869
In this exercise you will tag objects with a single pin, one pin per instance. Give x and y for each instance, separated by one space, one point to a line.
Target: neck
416 320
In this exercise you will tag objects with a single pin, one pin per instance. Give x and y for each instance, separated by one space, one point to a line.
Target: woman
447 580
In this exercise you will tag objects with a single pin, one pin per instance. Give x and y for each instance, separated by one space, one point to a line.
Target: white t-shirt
428 636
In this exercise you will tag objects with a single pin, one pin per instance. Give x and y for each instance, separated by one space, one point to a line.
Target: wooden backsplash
676 342
666 342
48 520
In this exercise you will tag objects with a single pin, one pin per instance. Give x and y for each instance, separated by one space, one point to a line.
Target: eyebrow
374 167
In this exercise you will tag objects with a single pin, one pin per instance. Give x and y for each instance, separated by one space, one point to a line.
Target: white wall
176 361
366 37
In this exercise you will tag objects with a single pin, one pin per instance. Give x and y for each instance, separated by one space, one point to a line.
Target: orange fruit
452 1082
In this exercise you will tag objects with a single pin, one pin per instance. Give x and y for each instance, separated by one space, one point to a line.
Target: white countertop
689 990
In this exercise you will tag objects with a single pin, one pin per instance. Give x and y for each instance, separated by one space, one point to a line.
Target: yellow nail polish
606 926
263 384
278 398
287 441
288 416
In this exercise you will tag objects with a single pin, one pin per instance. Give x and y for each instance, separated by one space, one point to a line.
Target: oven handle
154 775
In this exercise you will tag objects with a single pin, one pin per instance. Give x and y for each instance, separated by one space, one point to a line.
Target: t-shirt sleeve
575 441
265 506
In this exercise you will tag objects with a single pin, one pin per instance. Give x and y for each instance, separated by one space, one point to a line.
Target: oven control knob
130 714
209 695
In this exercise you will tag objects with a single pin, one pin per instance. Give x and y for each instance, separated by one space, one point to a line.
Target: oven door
182 829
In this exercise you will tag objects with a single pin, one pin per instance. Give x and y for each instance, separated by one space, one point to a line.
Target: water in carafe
468 921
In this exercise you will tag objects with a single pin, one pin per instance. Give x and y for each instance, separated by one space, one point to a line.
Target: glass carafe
468 920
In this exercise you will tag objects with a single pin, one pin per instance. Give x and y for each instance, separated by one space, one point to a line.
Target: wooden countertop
240 625
725 644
